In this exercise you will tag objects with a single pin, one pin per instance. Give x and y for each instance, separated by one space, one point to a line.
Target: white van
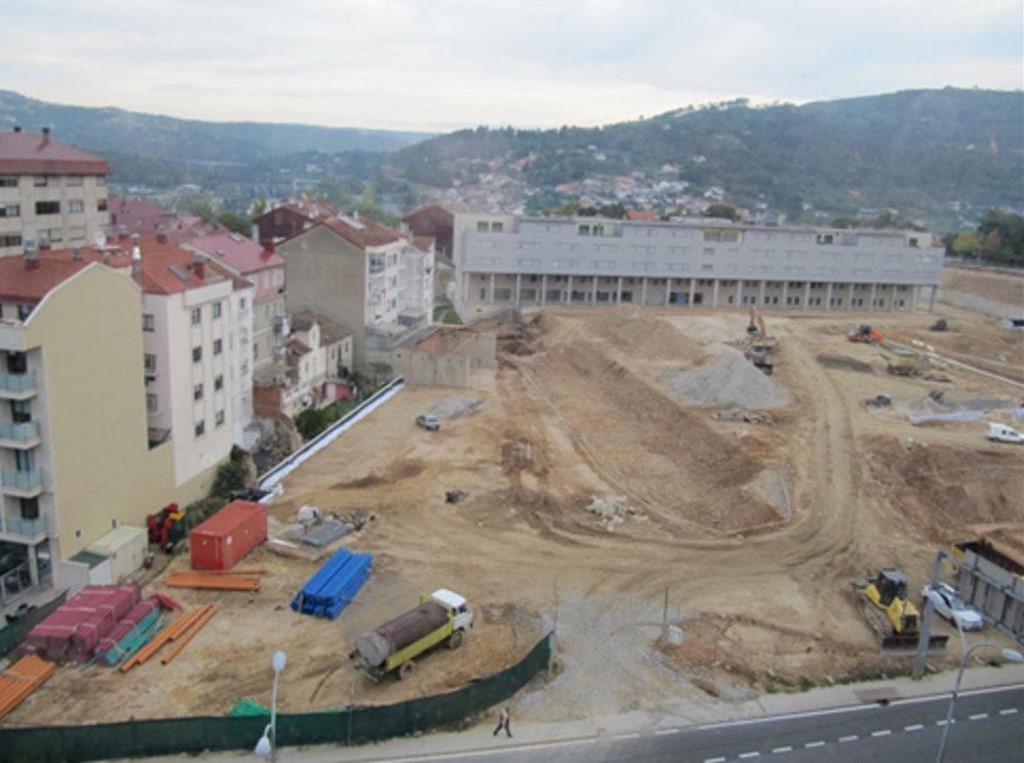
1002 433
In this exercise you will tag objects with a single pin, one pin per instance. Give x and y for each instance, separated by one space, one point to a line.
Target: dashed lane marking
850 738
779 750
812 745
1009 711
714 760
746 755
881 733
977 717
914 727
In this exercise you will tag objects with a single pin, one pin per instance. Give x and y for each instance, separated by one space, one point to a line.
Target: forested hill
918 151
107 131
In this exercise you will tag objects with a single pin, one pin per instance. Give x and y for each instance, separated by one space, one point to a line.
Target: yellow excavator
891 614
756 331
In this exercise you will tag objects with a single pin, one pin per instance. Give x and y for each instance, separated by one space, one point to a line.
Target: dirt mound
941 489
730 380
643 335
645 445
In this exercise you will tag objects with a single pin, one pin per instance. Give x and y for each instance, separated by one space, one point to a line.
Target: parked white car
948 604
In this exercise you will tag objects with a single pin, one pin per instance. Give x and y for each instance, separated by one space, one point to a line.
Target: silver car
949 604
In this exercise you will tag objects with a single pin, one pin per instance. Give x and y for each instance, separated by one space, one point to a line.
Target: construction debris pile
613 511
730 380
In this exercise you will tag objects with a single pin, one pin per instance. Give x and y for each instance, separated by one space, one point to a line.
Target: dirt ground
605 501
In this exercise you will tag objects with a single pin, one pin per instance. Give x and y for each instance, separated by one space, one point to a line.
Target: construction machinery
756 331
866 335
940 325
760 356
900 361
889 612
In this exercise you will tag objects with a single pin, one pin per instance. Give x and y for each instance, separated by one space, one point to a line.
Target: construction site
688 524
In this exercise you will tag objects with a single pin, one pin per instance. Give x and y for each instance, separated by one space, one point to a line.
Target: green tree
1002 237
312 422
230 476
258 207
723 211
235 222
965 244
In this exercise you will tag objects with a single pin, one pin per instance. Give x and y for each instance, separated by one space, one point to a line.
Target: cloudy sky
437 65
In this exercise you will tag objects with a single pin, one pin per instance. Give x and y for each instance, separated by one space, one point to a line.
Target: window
151 403
376 264
24 311
8 182
218 382
29 508
197 316
150 363
11 239
216 309
197 354
148 322
220 417
218 346
39 181
482 227
496 227
47 207
197 392
76 206
101 205
10 210
241 304
200 429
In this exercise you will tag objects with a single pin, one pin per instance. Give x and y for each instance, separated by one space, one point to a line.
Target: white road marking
915 727
812 745
851 738
881 733
977 717
745 755
778 750
662 732
714 760
1009 711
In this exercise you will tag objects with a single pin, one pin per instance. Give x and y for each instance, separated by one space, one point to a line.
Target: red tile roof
27 281
645 215
168 269
142 216
24 153
424 243
239 253
363 232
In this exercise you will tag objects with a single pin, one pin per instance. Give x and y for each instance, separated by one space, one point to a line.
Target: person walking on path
504 721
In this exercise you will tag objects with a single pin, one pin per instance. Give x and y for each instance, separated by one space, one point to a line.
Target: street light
268 742
1010 655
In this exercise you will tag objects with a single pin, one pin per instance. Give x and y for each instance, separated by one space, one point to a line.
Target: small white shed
125 547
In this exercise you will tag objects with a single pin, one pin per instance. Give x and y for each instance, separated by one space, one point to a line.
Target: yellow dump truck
444 616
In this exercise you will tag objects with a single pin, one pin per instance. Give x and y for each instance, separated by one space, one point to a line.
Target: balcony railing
24 432
24 527
26 481
17 382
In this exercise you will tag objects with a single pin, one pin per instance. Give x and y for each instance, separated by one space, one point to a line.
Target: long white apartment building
50 193
508 260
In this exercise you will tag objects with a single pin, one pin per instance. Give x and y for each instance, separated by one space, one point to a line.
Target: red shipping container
227 536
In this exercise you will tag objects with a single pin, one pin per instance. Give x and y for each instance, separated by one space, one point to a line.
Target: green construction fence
350 726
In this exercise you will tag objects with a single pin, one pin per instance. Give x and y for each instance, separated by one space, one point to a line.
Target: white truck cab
462 615
1001 433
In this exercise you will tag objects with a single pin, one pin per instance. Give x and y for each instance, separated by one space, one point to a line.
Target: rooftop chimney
137 264
46 139
76 253
161 234
17 128
199 267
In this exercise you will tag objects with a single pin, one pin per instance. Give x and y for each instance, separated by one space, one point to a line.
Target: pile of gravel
730 380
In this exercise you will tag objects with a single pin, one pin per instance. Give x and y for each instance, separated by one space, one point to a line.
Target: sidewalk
479 738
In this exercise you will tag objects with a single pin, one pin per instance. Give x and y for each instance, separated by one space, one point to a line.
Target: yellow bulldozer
891 614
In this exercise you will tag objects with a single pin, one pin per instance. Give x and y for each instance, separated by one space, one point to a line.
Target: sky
439 65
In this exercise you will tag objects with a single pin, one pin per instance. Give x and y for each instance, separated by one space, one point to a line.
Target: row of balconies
17 386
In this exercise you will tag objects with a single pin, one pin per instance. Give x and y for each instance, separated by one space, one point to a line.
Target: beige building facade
75 457
51 194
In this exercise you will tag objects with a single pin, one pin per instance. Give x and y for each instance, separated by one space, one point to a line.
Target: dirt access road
600 487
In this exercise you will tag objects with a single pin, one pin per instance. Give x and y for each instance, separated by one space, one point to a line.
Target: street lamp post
268 742
1010 655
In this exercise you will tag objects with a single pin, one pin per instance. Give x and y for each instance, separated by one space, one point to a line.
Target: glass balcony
26 433
17 383
25 527
23 482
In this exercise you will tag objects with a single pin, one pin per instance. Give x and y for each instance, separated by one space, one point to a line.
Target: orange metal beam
187 635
